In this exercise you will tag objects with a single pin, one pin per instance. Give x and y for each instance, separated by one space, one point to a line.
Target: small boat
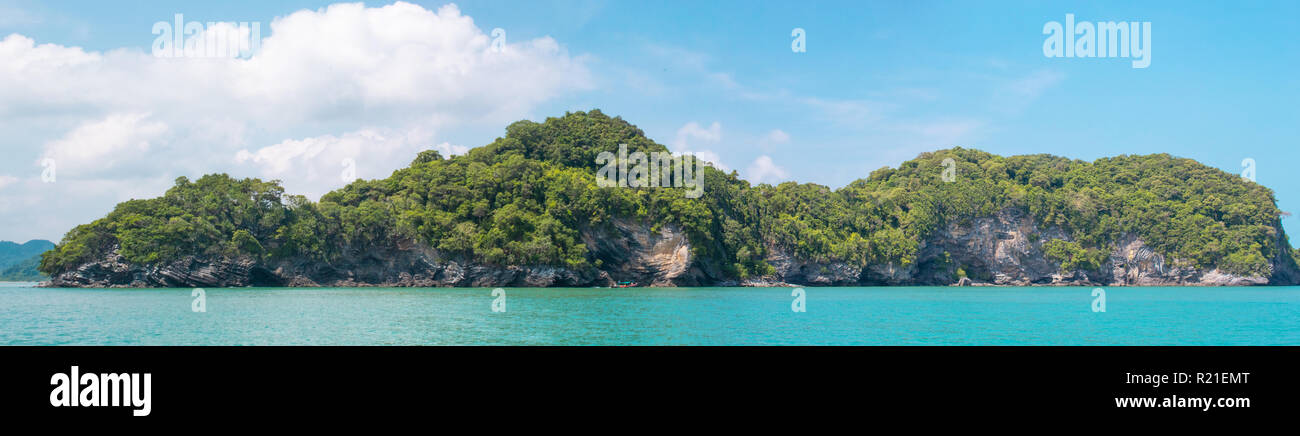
625 284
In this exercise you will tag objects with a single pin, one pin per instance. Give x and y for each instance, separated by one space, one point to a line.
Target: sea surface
650 316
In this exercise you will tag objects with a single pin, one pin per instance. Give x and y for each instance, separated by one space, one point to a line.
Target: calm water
690 316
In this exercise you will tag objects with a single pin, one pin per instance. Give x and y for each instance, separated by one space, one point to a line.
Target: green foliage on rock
1072 256
528 197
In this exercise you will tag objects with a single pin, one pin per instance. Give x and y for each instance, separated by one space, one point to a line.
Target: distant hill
25 271
19 262
12 253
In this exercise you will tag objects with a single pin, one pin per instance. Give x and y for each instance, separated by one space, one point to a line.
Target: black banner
279 383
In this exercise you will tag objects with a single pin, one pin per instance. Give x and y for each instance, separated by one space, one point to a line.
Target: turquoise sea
645 316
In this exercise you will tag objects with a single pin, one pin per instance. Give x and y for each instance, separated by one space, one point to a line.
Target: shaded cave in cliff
263 277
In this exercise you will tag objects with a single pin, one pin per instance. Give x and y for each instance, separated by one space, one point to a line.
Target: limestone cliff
1003 249
1007 249
625 250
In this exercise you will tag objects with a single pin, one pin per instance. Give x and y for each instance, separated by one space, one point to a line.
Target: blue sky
879 83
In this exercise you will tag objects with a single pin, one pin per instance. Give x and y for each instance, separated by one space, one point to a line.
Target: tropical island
527 210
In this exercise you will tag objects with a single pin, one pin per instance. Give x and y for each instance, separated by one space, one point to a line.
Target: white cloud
343 62
691 136
771 140
692 133
764 170
448 149
389 76
100 144
712 158
776 136
343 67
37 210
315 165
351 60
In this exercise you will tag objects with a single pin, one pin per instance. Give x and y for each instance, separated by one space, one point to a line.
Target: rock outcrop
790 269
632 251
1003 249
1006 249
625 251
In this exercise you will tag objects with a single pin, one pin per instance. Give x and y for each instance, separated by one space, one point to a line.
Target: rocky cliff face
793 270
632 251
626 251
1133 263
1004 249
1007 249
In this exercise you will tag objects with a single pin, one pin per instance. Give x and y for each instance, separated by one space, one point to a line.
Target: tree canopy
525 199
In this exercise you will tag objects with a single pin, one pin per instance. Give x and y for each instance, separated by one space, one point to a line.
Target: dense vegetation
525 199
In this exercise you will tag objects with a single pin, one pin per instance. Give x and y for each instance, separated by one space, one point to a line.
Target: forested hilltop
18 262
526 210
